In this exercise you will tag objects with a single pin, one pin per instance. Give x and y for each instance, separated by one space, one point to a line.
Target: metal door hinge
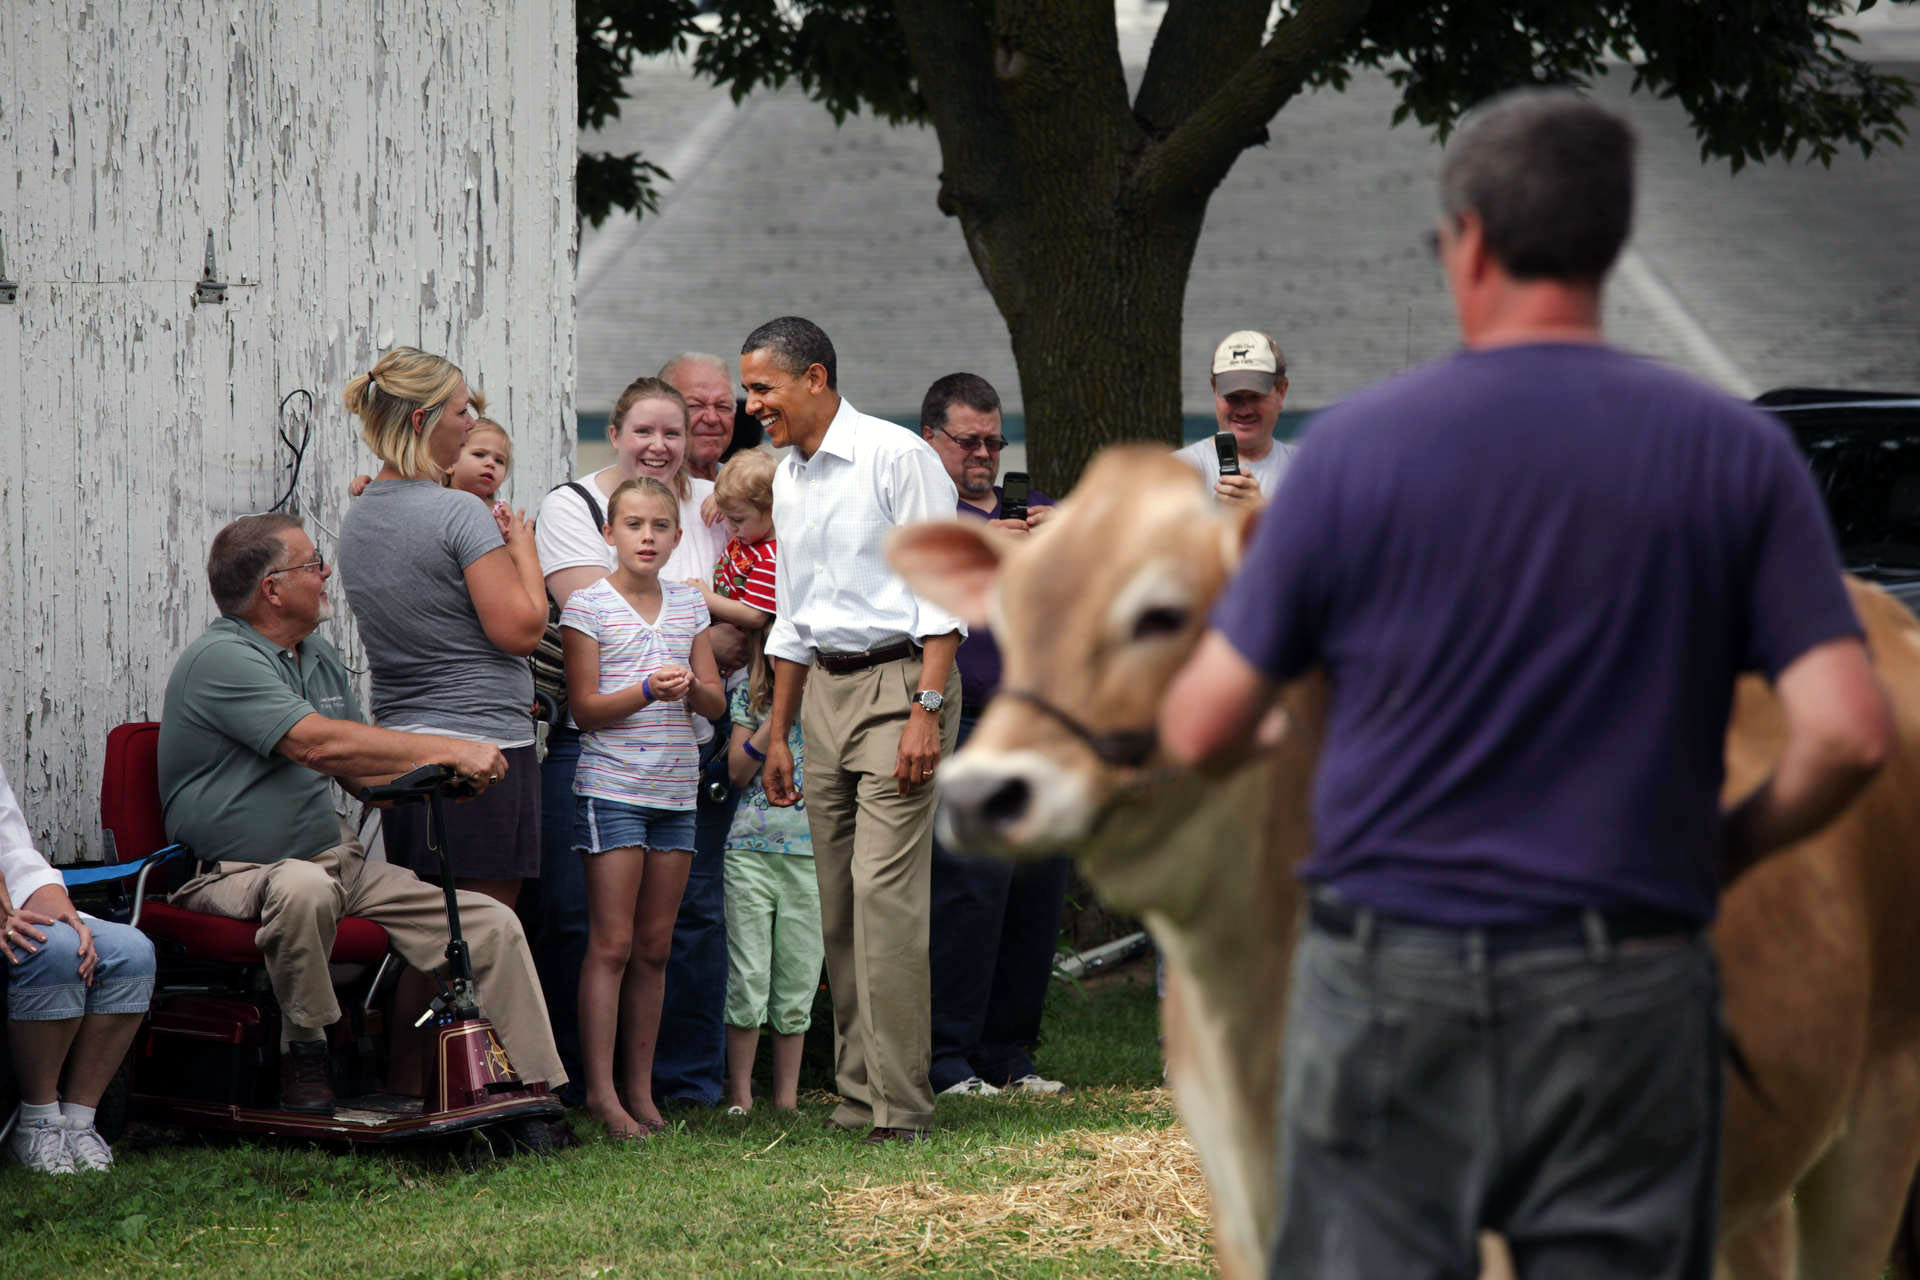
211 288
9 289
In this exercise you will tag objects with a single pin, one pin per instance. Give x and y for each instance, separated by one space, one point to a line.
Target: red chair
135 826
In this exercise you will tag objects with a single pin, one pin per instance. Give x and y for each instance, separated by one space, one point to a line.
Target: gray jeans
1566 1096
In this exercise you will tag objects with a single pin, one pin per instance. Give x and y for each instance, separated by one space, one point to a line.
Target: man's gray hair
796 344
686 358
242 554
1550 177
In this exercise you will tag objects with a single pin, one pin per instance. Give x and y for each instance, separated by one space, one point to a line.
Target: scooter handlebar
416 785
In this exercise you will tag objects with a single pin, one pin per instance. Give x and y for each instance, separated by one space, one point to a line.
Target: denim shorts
46 987
600 825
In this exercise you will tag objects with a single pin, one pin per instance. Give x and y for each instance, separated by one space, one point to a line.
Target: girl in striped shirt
638 662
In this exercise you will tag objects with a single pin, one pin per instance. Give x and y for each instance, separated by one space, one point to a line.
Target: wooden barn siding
375 172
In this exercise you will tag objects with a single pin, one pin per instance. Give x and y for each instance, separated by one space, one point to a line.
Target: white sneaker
1033 1083
972 1085
40 1145
87 1149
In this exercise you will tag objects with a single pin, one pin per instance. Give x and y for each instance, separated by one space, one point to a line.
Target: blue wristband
646 687
753 751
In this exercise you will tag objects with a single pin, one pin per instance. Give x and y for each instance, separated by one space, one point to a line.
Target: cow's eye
1159 620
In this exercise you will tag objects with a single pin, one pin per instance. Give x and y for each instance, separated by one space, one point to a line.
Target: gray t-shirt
231 698
404 552
1266 472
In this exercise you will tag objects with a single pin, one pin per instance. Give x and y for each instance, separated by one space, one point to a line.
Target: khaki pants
299 902
873 855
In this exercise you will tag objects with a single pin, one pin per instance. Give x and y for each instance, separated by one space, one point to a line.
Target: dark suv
1864 447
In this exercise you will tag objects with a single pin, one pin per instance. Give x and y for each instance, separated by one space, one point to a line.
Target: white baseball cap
1247 360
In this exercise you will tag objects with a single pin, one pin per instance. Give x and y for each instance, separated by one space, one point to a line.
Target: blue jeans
600 826
555 911
690 1056
45 986
1437 1083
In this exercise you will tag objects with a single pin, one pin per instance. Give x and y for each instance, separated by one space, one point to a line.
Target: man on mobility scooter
259 717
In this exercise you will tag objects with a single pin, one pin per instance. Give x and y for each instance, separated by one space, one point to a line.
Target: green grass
712 1197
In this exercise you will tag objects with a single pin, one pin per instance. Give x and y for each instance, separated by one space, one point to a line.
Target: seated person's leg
122 988
45 1000
298 904
414 915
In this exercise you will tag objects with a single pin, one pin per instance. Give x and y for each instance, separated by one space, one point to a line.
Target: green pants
774 946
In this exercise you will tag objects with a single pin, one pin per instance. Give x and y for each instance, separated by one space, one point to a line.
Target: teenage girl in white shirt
638 661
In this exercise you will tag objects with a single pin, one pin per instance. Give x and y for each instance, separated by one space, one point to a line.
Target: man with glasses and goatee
994 924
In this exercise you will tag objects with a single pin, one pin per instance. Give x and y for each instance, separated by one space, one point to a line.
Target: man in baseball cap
1249 386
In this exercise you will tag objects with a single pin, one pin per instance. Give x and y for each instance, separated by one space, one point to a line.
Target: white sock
30 1112
77 1116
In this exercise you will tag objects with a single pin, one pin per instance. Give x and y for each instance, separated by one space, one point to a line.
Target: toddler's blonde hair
747 477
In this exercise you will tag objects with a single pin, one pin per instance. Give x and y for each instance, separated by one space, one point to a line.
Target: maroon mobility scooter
208 1056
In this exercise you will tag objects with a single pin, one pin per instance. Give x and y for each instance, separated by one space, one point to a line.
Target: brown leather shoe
879 1137
304 1086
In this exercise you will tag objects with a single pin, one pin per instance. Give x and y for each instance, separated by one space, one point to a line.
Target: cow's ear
1236 533
951 562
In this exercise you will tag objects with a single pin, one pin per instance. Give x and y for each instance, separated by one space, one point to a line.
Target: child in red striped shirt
742 590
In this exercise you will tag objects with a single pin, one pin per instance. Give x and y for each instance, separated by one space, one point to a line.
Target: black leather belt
841 664
1341 920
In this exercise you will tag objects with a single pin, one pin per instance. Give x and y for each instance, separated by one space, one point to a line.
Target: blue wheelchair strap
78 876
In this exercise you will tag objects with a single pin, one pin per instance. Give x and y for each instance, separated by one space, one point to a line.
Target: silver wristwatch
930 700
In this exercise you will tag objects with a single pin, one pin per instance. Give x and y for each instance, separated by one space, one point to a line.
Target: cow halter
1120 748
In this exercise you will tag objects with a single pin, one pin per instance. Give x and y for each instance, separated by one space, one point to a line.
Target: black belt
1563 930
841 664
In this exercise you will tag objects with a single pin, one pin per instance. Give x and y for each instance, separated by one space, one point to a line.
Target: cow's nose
984 803
1011 802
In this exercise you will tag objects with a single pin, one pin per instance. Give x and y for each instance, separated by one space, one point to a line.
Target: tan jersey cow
1820 956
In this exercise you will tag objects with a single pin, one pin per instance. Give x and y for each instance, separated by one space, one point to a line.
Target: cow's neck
1208 863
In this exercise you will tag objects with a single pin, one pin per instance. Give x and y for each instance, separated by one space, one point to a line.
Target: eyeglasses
988 444
318 564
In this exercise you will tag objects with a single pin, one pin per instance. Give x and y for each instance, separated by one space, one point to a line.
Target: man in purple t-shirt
994 925
1532 573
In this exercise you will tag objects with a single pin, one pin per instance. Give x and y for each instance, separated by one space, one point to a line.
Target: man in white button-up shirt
881 707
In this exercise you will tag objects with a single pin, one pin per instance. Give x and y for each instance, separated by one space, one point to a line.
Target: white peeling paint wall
374 172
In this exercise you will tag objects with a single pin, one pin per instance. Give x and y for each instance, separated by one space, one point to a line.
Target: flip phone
1228 450
1013 496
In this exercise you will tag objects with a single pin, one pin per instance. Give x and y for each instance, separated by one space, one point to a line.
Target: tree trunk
1096 334
1081 209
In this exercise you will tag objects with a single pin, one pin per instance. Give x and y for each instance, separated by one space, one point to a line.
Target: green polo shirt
232 696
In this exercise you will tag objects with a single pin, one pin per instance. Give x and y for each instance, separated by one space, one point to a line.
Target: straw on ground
1136 1193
